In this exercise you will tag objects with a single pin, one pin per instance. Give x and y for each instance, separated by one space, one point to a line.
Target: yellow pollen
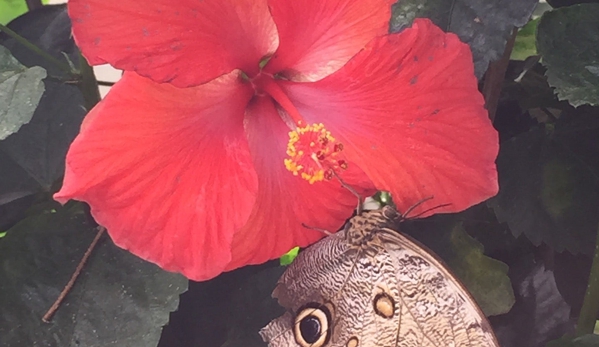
313 153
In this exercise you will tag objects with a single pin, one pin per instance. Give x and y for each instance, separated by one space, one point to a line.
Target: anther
314 153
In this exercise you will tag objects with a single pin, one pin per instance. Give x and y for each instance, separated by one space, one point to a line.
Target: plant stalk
20 39
495 75
88 85
590 305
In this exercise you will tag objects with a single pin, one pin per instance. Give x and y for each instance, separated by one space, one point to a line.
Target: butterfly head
361 231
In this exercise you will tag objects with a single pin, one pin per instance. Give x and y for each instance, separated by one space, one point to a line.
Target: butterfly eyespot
312 326
352 342
384 305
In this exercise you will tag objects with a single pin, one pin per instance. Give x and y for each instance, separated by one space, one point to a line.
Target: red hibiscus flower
233 117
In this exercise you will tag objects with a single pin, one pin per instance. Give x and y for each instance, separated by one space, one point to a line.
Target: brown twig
495 75
46 318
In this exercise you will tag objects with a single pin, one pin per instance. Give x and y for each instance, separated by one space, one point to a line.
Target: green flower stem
88 84
590 305
20 39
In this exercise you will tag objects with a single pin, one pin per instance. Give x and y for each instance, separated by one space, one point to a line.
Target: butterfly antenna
324 231
359 209
411 208
430 209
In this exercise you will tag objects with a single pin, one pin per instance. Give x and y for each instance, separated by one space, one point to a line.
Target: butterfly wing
435 308
332 280
394 293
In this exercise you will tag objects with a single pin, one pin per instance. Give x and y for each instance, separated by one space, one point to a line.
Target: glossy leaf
118 300
568 41
20 91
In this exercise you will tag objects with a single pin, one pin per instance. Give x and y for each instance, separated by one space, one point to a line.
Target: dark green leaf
119 299
531 90
33 158
562 3
549 179
49 28
37 152
20 91
484 25
226 311
568 41
485 277
252 307
590 340
540 313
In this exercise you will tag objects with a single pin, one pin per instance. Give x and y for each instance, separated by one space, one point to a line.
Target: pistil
267 84
313 152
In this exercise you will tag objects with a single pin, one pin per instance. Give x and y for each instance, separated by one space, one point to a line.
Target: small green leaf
525 45
568 41
2 234
11 9
485 277
21 89
288 257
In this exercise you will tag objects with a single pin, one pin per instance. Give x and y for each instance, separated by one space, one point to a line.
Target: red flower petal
184 42
285 201
167 171
409 113
318 37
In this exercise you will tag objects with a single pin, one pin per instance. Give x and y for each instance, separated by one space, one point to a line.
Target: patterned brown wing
436 309
327 286
368 285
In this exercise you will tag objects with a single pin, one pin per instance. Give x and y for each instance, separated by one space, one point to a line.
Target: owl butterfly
369 286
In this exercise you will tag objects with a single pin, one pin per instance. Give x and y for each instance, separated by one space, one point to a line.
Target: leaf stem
495 75
590 305
88 85
20 39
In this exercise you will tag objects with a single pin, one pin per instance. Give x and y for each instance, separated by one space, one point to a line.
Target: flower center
314 154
